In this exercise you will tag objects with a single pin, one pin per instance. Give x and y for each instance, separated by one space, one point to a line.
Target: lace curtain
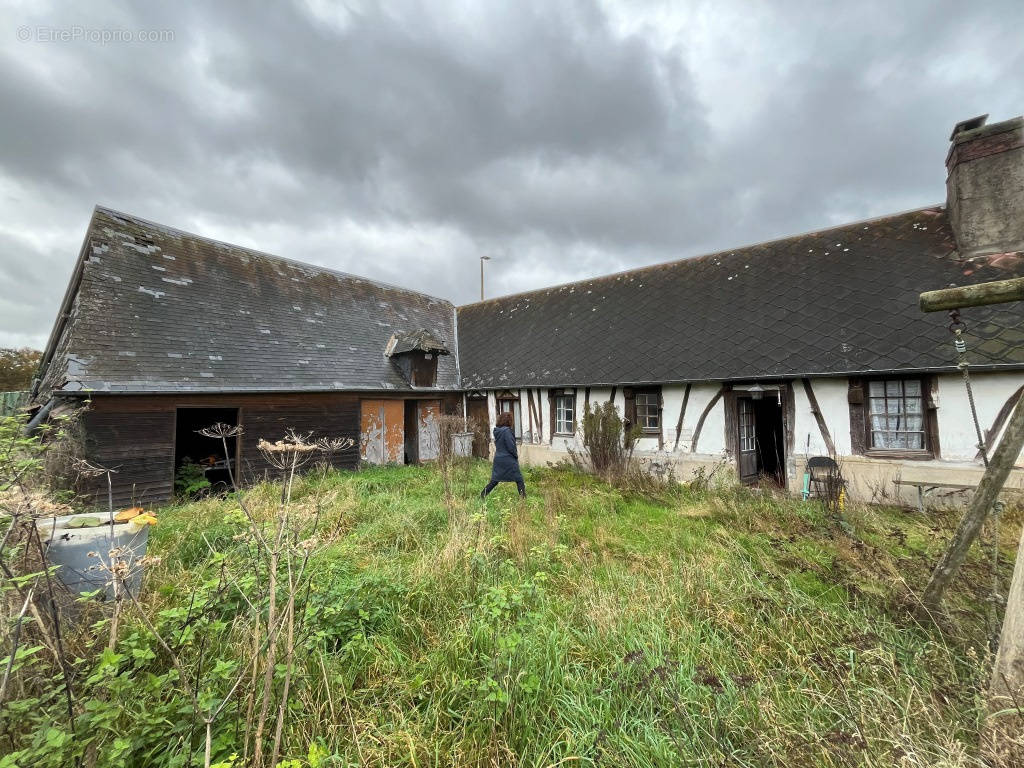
896 409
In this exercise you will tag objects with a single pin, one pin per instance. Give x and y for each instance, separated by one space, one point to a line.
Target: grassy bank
586 627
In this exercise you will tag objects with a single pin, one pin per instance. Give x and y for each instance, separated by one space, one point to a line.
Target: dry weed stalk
280 561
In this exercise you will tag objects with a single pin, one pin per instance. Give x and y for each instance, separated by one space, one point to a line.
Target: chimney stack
985 186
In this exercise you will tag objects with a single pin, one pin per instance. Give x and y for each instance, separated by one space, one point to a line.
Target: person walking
506 457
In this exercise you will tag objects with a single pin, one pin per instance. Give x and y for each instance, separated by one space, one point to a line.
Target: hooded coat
506 457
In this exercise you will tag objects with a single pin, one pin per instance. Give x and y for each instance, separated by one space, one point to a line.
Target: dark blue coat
506 457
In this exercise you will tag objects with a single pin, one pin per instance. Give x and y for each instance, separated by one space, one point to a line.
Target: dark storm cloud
563 139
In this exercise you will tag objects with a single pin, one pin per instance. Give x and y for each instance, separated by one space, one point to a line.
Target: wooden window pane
896 410
564 416
747 438
648 415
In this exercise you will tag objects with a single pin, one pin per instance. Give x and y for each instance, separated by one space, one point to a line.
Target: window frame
862 436
516 409
634 412
556 420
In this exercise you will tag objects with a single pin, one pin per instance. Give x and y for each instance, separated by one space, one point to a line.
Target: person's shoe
483 495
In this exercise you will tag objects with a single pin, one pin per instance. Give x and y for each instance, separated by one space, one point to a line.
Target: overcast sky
563 139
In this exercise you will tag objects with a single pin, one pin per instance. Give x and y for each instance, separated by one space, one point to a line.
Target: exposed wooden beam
822 426
682 413
996 292
703 417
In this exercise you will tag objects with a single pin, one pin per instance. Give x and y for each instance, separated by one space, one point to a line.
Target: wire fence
12 402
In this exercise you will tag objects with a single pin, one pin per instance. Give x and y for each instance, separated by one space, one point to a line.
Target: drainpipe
40 416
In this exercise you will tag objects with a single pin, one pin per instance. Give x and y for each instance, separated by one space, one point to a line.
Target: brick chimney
985 186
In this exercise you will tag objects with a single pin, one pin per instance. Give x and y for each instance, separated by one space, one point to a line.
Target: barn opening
206 452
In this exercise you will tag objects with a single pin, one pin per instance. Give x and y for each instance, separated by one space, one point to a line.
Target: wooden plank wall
138 445
135 435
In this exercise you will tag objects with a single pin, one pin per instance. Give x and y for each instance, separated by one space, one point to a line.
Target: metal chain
957 328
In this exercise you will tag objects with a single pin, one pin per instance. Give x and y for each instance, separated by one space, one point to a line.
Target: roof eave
989 368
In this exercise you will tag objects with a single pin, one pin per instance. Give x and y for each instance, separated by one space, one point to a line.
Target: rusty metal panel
429 414
382 431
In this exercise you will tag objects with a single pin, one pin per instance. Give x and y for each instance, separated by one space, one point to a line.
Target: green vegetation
17 366
587 627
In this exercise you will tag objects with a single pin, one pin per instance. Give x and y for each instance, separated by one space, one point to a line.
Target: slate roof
420 340
839 301
154 309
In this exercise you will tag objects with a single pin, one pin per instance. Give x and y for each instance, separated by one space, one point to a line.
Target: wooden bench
928 487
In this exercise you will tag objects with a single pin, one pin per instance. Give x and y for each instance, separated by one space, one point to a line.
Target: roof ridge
700 256
266 255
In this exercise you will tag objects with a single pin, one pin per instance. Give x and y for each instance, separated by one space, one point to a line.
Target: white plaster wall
492 409
712 434
712 437
831 395
957 438
671 401
529 434
956 430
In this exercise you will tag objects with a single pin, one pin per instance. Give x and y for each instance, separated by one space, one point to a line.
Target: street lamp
482 260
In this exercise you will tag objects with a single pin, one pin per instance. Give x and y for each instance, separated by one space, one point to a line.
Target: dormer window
424 369
415 356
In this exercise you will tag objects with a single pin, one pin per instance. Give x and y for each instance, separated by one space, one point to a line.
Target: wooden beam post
1008 672
996 292
991 484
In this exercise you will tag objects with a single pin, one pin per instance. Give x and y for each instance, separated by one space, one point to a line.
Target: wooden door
476 412
429 428
382 431
746 440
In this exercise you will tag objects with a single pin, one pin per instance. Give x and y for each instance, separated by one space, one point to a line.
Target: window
747 435
565 414
896 415
508 405
648 410
424 369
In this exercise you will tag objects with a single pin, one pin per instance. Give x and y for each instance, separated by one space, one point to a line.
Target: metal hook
956 325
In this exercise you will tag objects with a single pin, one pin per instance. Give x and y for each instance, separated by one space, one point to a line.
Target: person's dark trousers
491 486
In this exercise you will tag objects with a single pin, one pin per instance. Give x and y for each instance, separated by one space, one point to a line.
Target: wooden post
1008 672
996 292
988 491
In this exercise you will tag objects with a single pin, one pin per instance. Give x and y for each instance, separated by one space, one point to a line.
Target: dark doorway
412 434
760 439
192 448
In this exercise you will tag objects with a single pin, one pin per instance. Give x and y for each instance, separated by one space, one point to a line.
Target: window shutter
551 413
858 420
930 386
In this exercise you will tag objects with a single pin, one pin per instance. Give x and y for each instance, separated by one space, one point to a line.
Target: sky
402 141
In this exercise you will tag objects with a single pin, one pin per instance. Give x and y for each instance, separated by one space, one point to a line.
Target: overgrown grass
588 627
